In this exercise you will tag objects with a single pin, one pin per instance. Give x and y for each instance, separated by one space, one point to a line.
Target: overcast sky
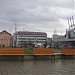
36 15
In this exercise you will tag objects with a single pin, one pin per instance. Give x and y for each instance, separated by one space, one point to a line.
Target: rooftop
30 33
4 31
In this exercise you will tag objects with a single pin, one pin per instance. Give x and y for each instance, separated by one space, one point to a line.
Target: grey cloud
30 13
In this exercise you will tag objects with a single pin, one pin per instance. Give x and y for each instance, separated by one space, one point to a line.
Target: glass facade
30 38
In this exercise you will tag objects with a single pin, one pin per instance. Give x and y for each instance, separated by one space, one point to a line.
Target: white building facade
55 40
22 38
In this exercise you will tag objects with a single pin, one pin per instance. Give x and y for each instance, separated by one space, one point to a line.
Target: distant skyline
36 15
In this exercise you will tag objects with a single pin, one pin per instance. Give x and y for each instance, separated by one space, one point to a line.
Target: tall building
55 40
22 38
5 39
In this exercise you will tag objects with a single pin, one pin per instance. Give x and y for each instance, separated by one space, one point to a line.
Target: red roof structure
30 33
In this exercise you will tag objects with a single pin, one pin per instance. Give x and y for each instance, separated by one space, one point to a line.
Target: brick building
5 39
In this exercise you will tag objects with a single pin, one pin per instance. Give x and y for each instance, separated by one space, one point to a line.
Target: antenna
15 26
38 30
68 22
71 22
54 31
61 32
